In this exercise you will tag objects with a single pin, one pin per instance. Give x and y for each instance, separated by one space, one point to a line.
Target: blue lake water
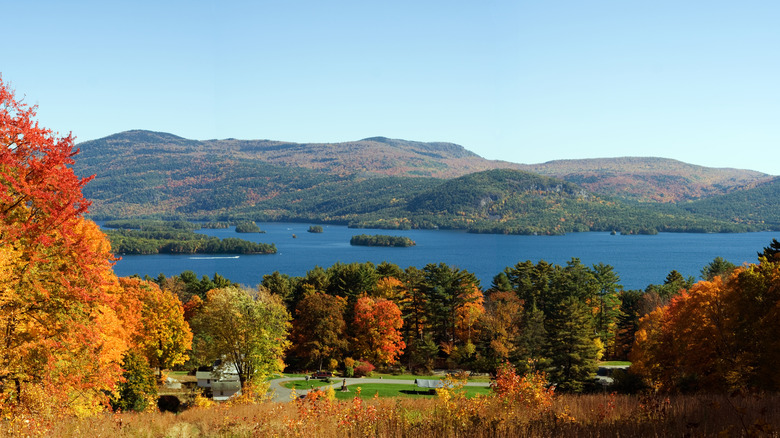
638 260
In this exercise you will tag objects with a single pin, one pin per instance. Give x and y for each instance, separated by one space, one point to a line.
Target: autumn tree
377 331
500 328
718 335
319 329
244 329
162 336
390 288
59 332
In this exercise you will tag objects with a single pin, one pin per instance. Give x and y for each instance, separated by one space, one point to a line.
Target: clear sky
522 81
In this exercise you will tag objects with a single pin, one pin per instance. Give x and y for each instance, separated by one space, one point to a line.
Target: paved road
281 394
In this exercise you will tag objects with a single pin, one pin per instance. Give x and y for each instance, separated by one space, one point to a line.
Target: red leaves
720 335
377 330
58 327
40 191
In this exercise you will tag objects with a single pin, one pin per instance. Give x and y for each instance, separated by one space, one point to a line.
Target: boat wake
213 258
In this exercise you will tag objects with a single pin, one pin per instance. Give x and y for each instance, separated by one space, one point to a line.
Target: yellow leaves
159 329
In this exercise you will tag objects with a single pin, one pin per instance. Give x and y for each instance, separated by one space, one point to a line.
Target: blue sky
522 81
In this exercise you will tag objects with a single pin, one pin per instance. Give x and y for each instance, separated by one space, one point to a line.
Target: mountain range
390 183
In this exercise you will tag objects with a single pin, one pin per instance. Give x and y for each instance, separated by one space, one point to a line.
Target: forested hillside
385 183
756 206
648 179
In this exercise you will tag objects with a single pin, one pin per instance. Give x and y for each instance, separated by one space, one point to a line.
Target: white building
223 381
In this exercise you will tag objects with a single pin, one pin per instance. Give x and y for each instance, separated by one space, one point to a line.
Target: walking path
281 394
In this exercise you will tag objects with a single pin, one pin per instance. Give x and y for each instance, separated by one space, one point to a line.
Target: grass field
592 415
615 363
382 390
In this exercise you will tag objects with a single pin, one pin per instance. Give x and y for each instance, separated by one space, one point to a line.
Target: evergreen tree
571 350
531 342
446 289
607 304
631 304
770 252
501 283
422 353
717 267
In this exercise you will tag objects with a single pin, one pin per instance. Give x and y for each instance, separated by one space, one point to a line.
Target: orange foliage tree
60 337
719 335
162 335
377 329
500 326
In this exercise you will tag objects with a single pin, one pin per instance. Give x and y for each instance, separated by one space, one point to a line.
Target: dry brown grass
601 415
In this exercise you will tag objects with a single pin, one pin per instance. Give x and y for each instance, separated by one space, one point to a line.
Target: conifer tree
571 351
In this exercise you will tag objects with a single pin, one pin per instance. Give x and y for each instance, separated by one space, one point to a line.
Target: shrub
138 390
349 367
363 368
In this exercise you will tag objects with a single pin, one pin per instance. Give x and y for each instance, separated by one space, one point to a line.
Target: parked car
321 375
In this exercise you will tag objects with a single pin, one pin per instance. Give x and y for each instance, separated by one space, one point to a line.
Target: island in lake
381 240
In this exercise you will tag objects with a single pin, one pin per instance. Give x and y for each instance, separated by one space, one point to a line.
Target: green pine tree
531 342
571 351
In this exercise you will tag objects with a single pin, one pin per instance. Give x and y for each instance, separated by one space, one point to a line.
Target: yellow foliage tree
161 333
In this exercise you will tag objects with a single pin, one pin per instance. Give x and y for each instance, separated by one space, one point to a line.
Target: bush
349 367
139 389
363 368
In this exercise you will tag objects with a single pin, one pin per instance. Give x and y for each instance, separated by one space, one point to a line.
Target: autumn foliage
720 335
59 331
377 330
161 334
66 320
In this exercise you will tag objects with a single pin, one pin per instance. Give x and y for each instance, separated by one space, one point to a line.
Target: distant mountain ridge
391 183
649 179
643 179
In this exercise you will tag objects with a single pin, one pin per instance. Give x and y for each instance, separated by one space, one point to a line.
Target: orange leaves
531 391
377 330
157 318
39 191
59 329
719 335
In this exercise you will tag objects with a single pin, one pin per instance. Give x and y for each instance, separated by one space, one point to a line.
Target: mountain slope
648 179
758 206
377 182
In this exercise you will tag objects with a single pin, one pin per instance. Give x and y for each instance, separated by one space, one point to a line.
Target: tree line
380 240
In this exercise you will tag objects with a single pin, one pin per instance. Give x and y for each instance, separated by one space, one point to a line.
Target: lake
638 260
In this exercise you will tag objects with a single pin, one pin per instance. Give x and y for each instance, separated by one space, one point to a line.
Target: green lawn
368 390
615 363
303 384
415 376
